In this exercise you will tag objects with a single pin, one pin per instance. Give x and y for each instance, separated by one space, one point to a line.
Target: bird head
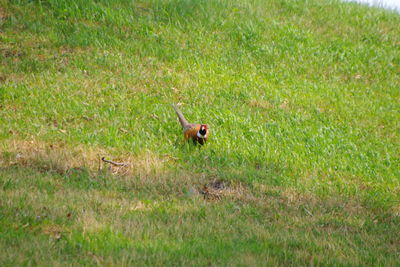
203 130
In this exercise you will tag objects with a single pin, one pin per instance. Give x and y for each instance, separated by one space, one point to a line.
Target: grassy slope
303 102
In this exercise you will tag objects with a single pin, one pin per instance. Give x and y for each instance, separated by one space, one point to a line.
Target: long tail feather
182 119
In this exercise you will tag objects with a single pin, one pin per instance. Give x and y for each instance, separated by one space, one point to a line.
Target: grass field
303 162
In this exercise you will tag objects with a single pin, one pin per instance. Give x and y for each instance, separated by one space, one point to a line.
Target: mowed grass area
303 162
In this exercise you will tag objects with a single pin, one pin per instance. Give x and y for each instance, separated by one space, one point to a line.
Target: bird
196 132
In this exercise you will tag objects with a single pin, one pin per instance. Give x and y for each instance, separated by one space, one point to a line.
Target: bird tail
182 119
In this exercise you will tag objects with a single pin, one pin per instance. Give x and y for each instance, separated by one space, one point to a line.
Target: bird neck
199 135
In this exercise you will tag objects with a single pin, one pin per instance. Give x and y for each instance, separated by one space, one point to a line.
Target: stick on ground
121 164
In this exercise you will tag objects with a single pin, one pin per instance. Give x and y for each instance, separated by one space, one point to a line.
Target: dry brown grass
3 14
54 231
61 158
93 212
257 103
149 173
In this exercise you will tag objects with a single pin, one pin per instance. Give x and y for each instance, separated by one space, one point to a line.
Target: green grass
303 102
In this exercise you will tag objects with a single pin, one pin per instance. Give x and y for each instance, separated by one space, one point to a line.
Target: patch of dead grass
3 14
311 204
259 103
148 173
396 210
61 158
89 222
292 197
218 189
54 231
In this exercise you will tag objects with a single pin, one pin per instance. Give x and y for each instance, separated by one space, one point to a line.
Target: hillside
303 162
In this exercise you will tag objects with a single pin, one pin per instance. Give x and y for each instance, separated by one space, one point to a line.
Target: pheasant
193 131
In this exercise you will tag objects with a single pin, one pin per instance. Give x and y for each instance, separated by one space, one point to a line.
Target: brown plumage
192 131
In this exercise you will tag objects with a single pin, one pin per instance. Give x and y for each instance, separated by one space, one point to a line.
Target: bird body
192 131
